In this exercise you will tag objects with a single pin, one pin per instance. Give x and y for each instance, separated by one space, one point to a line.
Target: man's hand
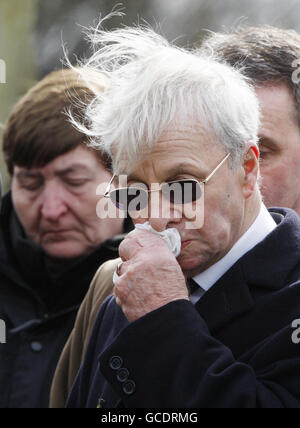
150 275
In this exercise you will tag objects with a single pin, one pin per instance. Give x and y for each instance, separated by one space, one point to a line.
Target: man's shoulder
275 261
285 215
103 281
109 322
101 287
103 278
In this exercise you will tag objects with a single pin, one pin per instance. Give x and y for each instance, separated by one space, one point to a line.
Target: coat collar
270 265
263 225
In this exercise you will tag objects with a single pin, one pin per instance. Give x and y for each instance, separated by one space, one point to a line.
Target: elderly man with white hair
213 325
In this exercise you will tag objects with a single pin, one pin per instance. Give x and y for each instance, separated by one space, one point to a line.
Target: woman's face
56 204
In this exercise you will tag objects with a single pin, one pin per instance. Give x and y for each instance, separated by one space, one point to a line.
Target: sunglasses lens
134 199
182 192
129 199
118 197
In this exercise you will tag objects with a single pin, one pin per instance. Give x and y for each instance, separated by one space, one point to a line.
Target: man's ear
256 151
251 169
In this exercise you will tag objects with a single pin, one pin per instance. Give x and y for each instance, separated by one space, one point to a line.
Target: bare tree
17 20
62 21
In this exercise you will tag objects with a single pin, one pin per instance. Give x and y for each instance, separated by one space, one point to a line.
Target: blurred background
32 32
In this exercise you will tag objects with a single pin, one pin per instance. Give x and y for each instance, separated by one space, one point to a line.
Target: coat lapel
229 298
270 266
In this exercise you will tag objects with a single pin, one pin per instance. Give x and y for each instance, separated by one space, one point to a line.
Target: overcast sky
180 20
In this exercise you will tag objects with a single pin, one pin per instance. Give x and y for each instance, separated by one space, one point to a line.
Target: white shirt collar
260 229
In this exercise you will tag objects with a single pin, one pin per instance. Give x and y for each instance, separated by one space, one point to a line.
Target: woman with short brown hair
52 241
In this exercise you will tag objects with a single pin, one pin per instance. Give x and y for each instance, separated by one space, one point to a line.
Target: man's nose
53 203
162 213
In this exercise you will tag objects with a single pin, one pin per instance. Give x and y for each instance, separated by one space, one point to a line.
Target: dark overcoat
237 348
38 304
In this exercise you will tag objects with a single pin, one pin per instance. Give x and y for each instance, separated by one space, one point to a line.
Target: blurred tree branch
17 19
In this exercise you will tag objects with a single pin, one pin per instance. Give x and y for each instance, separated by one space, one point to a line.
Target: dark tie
192 286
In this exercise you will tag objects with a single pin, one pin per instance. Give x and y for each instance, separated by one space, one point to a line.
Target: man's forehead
175 152
169 170
277 100
187 131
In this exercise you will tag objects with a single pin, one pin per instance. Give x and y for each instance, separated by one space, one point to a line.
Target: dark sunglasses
181 192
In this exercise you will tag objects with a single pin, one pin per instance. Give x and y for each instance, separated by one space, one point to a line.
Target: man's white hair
152 84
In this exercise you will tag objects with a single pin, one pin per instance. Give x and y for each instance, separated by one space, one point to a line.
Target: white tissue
170 236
